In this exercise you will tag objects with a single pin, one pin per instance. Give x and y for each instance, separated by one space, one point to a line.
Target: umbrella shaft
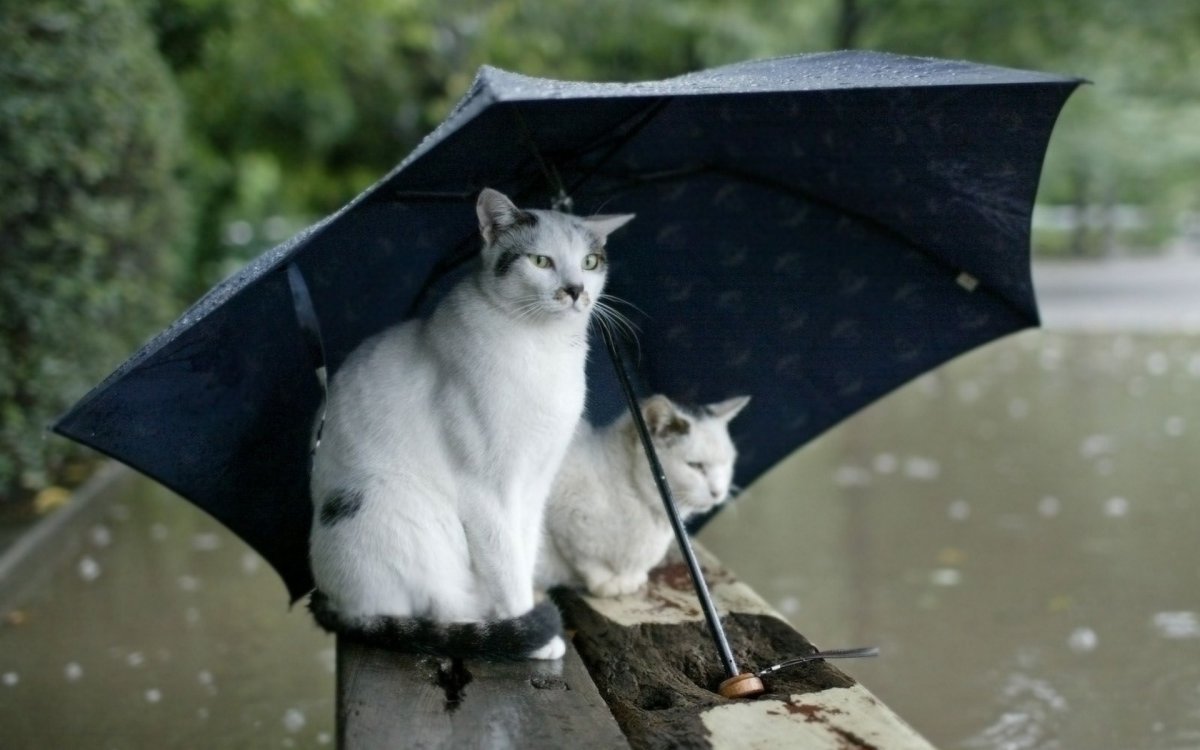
664 490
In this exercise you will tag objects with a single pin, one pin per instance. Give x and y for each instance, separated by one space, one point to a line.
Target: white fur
605 524
453 428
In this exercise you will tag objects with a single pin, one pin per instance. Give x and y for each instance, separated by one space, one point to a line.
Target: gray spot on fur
341 506
505 262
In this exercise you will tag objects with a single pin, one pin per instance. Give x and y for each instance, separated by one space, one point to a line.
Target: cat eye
541 261
591 262
697 467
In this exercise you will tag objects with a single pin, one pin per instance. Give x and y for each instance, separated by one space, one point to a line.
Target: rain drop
789 605
851 476
1174 426
73 672
188 583
1083 640
293 720
153 695
10 679
885 463
135 659
945 577
158 532
206 542
919 467
89 569
1116 507
250 563
1157 363
1049 506
1177 625
100 535
1018 408
324 738
959 510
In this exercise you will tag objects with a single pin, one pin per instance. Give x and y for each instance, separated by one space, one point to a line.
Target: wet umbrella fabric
814 231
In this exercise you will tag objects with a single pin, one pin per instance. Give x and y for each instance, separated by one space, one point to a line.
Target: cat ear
729 408
663 419
497 213
606 225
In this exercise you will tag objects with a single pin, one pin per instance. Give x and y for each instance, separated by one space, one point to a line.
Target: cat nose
574 290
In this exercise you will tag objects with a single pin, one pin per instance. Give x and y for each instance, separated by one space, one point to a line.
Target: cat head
695 449
543 263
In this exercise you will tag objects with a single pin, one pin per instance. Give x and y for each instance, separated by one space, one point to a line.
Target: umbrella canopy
812 230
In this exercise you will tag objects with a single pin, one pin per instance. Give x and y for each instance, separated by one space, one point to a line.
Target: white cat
605 523
442 439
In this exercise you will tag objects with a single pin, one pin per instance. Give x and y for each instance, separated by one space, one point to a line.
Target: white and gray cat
441 441
605 524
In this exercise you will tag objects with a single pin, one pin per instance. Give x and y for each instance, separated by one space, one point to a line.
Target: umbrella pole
736 684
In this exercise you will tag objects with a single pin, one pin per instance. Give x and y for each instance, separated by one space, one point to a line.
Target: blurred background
1032 503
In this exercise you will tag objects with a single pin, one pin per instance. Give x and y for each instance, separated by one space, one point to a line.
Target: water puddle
1017 531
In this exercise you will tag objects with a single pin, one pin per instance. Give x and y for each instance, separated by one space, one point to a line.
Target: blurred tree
90 209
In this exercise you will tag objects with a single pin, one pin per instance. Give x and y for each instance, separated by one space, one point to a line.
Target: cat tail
514 638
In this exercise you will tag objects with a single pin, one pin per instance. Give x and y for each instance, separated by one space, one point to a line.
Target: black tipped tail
513 638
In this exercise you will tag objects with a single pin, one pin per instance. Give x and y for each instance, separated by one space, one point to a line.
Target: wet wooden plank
387 699
652 659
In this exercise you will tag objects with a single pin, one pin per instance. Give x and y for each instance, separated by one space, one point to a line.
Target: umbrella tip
745 685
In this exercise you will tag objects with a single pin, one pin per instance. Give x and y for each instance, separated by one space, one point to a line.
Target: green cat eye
541 261
591 262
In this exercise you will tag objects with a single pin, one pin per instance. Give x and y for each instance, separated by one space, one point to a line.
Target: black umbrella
812 230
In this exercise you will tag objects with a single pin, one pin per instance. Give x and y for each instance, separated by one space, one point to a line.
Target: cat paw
605 589
552 650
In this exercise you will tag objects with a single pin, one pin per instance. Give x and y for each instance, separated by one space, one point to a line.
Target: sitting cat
605 524
441 441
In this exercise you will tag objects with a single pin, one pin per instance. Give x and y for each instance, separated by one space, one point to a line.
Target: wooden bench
640 672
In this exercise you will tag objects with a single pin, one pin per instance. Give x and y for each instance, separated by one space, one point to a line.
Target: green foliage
90 126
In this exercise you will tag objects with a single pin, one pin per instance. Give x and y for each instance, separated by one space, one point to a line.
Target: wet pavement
156 628
1016 531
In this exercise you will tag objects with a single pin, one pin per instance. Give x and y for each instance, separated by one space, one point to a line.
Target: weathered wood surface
652 659
390 700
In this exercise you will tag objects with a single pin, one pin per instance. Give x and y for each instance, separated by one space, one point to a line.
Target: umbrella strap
310 329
